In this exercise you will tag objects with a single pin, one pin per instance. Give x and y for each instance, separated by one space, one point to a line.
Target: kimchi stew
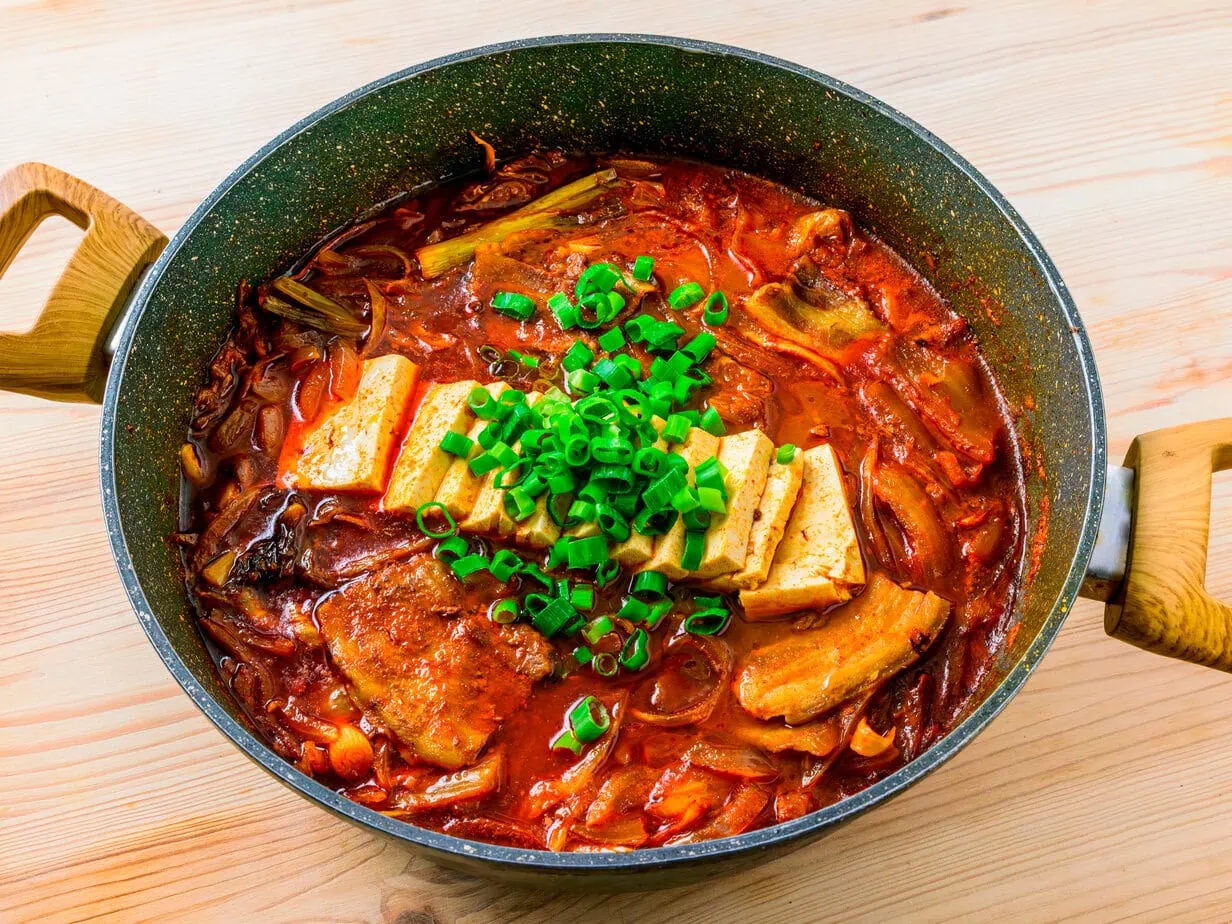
603 503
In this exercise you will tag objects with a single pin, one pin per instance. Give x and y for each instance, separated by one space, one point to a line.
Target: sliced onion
475 782
719 658
741 762
735 817
624 832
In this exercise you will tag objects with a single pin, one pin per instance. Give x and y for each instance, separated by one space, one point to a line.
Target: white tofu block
422 464
459 488
698 447
818 561
351 447
770 521
488 515
747 457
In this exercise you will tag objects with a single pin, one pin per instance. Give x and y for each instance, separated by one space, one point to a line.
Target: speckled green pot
641 94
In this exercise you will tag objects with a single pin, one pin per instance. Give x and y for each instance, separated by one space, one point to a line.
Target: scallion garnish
457 444
643 268
504 612
683 296
514 305
589 719
635 654
434 534
785 454
715 311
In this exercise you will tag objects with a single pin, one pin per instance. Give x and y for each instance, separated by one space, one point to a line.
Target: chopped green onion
582 381
613 375
589 719
613 523
583 597
607 572
633 610
530 362
505 564
700 346
786 453
712 423
686 295
518 504
596 629
648 586
712 500
582 654
533 570
676 429
452 549
686 499
648 461
430 506
598 277
643 268
578 356
636 651
588 553
457 444
483 403
707 622
707 474
604 664
467 565
483 463
503 612
564 310
696 520
658 611
567 741
694 549
514 305
612 340
554 616
715 311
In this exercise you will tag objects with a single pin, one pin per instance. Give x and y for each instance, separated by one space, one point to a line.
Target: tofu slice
747 456
818 561
488 515
422 464
699 446
638 548
769 523
351 448
460 487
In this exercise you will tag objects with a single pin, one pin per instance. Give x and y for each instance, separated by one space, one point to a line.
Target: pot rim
654 857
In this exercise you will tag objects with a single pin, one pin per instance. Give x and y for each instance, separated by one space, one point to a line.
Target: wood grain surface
1103 790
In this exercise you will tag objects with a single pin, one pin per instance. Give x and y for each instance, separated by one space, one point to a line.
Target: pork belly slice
441 677
806 673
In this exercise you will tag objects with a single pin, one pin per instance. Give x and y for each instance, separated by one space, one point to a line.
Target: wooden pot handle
1163 605
63 356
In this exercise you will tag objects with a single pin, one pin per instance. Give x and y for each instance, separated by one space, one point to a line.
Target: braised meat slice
442 677
874 636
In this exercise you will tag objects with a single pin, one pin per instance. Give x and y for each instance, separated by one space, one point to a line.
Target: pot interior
639 95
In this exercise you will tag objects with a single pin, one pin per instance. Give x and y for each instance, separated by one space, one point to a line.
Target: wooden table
1104 789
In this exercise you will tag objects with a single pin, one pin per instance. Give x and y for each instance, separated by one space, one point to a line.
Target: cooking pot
642 94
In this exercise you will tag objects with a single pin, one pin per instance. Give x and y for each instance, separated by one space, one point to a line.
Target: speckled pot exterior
642 94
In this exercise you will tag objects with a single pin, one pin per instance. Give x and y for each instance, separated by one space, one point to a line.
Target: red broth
922 432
